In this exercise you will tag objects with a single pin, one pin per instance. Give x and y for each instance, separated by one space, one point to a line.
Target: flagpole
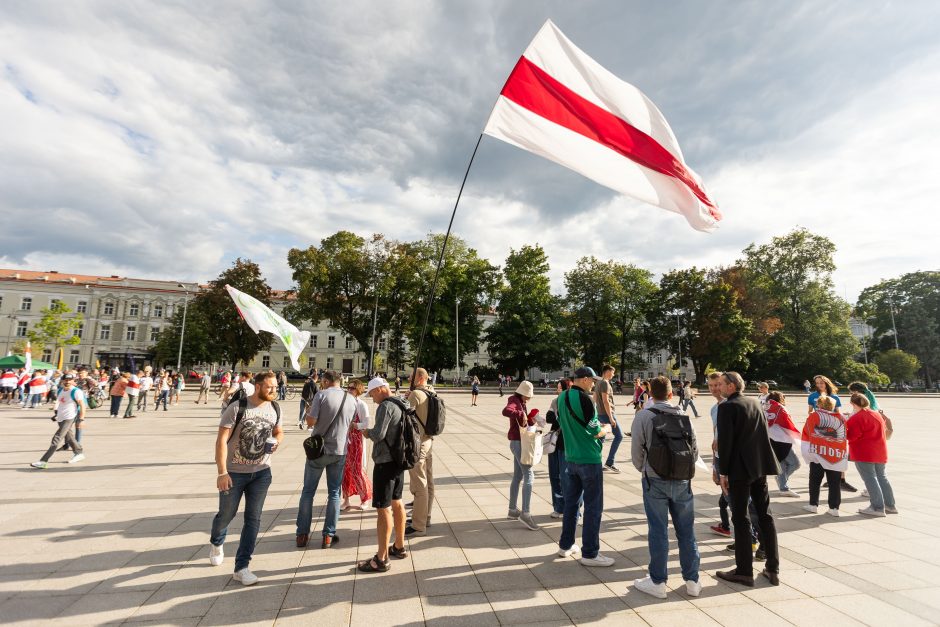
440 261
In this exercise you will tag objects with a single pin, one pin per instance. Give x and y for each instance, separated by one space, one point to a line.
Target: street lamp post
679 343
375 322
457 336
179 355
893 326
13 320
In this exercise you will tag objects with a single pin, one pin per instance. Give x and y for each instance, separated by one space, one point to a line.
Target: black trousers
757 491
834 477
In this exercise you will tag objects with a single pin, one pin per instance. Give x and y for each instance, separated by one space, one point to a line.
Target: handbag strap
338 410
571 409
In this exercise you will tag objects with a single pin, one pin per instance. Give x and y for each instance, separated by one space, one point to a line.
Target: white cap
377 382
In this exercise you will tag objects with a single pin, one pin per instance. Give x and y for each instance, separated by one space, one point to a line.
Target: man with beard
242 457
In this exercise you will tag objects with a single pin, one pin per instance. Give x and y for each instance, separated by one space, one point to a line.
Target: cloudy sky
165 139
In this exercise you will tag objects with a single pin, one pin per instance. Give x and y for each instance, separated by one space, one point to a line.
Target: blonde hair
826 402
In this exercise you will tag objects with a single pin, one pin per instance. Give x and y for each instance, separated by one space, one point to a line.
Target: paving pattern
121 538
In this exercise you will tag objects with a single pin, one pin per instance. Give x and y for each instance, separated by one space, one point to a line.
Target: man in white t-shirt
146 383
69 406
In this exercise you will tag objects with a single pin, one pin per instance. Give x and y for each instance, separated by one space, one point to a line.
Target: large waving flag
561 104
260 318
780 426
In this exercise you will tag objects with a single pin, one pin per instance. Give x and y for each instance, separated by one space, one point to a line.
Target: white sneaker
647 586
891 510
600 560
790 494
693 588
813 509
76 458
39 464
245 576
574 551
216 555
526 519
864 493
833 512
557 515
871 511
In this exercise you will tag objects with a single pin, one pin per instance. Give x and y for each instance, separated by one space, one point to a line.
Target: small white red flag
561 104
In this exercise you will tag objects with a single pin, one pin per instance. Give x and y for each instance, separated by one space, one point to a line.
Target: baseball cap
68 377
585 371
377 382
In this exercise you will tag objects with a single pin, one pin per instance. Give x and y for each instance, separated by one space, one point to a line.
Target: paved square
122 538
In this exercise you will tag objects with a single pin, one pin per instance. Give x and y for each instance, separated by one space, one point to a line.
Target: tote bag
531 449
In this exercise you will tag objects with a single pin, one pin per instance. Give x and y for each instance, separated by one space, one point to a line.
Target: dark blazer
744 451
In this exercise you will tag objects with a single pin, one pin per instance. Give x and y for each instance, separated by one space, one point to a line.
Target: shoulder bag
313 446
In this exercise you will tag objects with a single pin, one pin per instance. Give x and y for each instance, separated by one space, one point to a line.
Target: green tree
794 272
54 329
197 339
526 332
870 374
711 330
898 365
914 301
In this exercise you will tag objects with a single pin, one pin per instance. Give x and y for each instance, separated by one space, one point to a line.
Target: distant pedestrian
688 398
604 401
307 394
38 386
806 386
7 385
117 393
70 405
474 391
205 382
146 385
133 391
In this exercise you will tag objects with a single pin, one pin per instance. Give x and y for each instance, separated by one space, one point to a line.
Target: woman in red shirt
520 418
868 448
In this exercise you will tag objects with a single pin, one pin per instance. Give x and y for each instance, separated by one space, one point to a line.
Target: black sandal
380 567
397 553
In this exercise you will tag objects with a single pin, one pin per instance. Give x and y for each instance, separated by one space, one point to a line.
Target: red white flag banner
561 104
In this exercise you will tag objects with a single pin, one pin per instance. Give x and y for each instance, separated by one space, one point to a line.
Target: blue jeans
688 402
164 396
876 482
662 499
35 399
587 481
617 432
116 404
303 410
558 478
254 485
789 465
520 474
333 464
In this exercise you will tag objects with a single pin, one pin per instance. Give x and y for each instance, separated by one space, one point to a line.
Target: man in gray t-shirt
330 414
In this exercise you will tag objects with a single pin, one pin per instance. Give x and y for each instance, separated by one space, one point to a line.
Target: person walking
162 391
355 481
205 382
388 478
177 386
520 419
474 391
665 495
688 398
745 458
583 435
307 394
330 415
70 405
825 449
421 477
133 391
500 382
604 401
242 458
866 433
117 393
783 435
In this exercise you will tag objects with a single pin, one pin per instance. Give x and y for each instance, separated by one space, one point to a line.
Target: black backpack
406 448
437 414
671 453
243 407
237 397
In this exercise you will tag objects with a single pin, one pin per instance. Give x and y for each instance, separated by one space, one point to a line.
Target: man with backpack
395 449
242 456
664 451
69 407
430 411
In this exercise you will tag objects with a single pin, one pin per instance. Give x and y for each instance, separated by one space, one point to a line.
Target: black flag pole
440 261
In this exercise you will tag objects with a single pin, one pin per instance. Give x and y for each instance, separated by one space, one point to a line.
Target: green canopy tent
18 361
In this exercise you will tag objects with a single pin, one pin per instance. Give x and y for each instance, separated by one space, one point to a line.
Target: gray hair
734 379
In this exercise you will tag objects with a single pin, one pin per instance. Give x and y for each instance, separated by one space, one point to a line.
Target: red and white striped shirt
38 385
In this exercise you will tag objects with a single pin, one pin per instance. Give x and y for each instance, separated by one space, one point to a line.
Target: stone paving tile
122 538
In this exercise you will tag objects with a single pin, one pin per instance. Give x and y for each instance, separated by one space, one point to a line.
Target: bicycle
290 392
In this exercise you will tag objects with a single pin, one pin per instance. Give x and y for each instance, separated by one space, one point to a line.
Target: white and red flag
561 104
780 426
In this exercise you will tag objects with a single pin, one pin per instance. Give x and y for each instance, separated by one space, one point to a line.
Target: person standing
806 386
500 383
520 419
205 382
583 435
162 391
665 496
70 405
309 391
825 449
355 481
474 391
38 387
133 391
242 457
118 390
421 477
604 401
557 464
388 478
688 398
783 435
7 385
861 388
723 528
868 449
745 458
281 385
146 384
330 416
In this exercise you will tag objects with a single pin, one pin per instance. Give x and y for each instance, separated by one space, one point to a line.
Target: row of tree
772 314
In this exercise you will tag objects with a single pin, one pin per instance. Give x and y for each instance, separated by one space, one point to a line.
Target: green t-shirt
581 443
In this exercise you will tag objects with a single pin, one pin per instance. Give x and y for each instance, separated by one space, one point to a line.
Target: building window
158 311
659 359
649 375
312 361
21 329
82 307
73 357
381 343
79 331
131 334
313 341
133 310
109 309
331 341
349 342
26 304
1 302
47 355
329 363
265 361
53 302
286 362
105 333
154 334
